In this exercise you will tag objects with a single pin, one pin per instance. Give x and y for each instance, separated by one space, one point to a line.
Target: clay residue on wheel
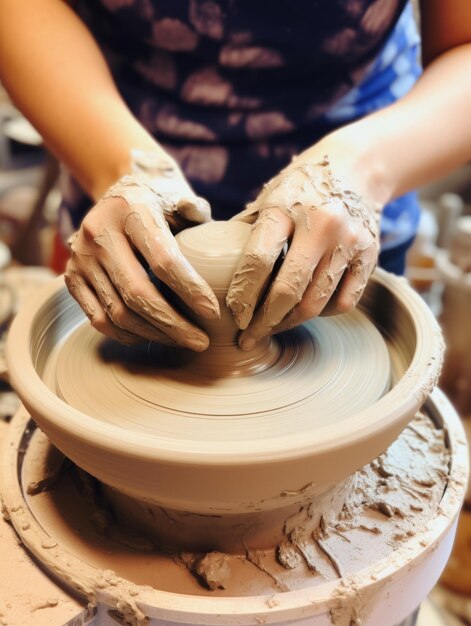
389 501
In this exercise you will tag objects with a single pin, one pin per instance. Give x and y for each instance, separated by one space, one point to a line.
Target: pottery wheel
321 374
276 396
53 509
227 432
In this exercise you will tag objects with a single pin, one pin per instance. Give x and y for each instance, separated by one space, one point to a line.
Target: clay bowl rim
403 400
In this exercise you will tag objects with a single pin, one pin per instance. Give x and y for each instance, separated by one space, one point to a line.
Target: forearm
57 76
419 138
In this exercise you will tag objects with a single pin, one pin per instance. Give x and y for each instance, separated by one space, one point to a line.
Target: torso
234 88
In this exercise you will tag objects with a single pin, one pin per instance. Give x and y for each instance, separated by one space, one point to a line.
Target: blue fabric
234 96
394 258
392 75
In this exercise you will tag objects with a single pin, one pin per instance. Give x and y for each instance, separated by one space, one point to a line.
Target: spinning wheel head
226 431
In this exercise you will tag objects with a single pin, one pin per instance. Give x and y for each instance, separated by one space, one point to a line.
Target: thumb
249 215
194 209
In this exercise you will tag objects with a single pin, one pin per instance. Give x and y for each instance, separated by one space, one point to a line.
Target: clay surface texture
227 431
383 505
299 474
389 542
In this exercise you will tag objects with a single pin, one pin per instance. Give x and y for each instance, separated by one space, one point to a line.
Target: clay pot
202 466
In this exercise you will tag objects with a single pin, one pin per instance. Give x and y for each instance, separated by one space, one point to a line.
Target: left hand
333 242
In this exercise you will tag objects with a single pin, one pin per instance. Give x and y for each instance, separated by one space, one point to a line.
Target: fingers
119 314
336 286
321 296
90 304
289 287
106 275
139 294
305 282
157 245
178 200
249 215
354 281
188 211
321 289
194 209
333 229
263 248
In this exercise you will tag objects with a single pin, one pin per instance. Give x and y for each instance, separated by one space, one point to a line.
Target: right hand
111 285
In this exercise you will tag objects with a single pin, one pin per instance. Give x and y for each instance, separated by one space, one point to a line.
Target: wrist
355 161
141 158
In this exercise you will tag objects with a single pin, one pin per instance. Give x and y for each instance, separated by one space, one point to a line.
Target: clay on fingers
120 315
143 299
333 232
268 238
164 177
355 280
133 218
159 248
90 304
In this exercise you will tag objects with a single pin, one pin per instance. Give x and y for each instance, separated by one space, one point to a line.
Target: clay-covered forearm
421 137
57 76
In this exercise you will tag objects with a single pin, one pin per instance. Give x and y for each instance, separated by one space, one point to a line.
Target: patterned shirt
233 89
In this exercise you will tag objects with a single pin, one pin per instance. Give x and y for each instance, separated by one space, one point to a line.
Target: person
157 106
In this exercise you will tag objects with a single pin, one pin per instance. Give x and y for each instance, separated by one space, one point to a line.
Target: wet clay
227 436
69 527
224 399
133 219
388 502
330 233
27 594
245 438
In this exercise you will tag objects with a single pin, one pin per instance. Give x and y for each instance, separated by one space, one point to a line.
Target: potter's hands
333 248
108 281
